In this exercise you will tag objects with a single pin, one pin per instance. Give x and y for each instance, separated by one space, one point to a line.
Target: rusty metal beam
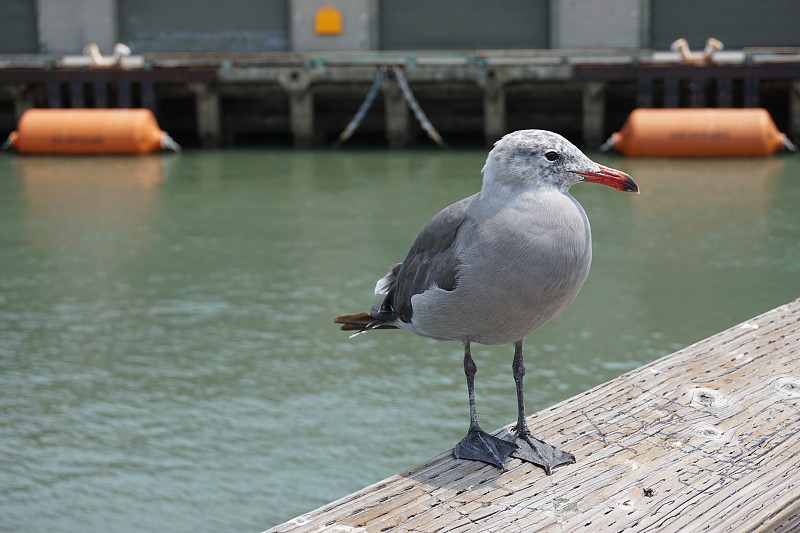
773 71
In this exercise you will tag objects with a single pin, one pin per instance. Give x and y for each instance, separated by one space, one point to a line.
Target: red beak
611 177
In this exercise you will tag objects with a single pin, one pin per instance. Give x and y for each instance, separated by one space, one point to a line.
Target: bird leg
479 445
529 448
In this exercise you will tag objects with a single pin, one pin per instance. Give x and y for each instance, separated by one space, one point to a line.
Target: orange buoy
698 132
89 131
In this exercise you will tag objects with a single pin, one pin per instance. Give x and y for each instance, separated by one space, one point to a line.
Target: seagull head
529 159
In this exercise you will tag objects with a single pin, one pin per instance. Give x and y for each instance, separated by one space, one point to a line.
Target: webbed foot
480 446
540 453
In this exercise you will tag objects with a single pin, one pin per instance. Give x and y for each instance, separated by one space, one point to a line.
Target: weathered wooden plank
705 438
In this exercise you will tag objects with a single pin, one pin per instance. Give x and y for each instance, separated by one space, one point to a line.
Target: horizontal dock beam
311 97
704 439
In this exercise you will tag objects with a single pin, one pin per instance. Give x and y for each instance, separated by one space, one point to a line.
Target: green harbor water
167 357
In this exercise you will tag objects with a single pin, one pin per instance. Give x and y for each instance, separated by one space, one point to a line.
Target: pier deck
707 438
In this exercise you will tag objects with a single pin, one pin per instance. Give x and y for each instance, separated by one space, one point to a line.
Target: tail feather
385 284
361 322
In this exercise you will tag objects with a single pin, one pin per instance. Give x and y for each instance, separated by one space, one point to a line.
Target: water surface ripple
167 358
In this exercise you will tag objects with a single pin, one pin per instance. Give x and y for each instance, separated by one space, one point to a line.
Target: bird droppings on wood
705 397
709 432
788 385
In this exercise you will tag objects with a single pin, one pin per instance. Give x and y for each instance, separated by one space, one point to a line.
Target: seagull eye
552 156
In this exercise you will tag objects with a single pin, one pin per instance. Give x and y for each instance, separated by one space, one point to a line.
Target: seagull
496 266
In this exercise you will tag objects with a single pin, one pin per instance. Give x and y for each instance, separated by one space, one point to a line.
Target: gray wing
431 261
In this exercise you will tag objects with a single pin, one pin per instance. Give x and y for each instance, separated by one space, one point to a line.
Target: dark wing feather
430 261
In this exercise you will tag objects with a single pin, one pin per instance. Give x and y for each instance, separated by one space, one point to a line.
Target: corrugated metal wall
606 24
18 27
67 27
264 25
462 24
737 23
203 25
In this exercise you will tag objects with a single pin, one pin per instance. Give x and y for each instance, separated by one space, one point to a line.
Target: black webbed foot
480 446
540 453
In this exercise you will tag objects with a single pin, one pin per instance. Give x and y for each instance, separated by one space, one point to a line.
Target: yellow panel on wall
328 21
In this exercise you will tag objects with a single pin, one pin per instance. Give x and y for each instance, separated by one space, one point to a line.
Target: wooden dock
707 438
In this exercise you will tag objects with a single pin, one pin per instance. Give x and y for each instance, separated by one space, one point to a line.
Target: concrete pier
794 109
301 105
208 114
594 112
494 108
397 115
308 98
23 99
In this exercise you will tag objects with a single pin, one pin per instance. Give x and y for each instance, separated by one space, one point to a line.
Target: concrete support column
697 93
644 93
206 101
301 106
672 98
794 112
100 94
494 109
301 118
724 92
397 115
77 99
124 94
594 111
751 92
23 100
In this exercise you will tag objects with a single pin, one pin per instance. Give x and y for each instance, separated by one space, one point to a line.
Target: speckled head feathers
531 158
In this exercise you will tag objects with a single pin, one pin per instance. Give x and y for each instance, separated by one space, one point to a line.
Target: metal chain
414 105
355 122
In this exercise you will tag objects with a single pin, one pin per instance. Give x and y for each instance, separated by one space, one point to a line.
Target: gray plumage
522 245
496 266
